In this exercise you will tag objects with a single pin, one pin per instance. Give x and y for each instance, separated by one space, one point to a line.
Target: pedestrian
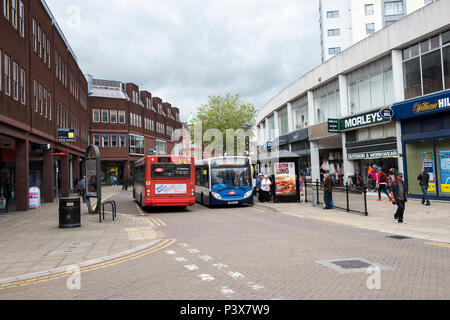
399 197
300 184
79 186
125 184
328 192
382 181
424 179
265 187
258 187
83 186
373 178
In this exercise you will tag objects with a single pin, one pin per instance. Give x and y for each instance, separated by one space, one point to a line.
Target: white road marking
206 277
220 266
206 258
236 275
184 245
226 291
171 252
193 250
191 267
180 259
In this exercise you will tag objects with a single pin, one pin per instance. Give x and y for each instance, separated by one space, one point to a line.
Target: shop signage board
373 155
356 121
444 157
66 135
285 184
428 166
421 107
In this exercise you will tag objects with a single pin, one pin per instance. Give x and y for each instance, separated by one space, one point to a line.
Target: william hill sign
355 122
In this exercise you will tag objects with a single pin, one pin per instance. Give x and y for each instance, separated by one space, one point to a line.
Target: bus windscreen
176 171
230 177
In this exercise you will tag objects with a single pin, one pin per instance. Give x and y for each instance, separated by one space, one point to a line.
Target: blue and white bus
224 181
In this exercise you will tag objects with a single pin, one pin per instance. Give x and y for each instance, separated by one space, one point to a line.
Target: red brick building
126 124
42 89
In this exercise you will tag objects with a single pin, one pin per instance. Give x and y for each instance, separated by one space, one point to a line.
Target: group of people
263 188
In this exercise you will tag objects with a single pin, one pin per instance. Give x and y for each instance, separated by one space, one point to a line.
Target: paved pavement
32 242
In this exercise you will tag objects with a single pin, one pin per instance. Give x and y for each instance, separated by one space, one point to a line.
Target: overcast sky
186 50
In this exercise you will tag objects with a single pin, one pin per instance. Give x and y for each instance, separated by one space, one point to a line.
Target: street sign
66 135
333 125
152 152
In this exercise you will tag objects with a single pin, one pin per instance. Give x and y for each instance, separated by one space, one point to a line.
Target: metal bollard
365 202
348 201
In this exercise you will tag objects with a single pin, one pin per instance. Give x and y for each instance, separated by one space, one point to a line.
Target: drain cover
397 237
351 265
71 247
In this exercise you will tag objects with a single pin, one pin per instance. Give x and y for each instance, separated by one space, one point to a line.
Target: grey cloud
185 51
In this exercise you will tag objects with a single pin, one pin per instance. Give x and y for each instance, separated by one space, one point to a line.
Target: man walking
265 187
424 179
327 192
258 187
399 198
382 184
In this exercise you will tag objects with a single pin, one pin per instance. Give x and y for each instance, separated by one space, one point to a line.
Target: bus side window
205 175
197 176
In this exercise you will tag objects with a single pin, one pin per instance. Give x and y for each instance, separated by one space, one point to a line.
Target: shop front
426 142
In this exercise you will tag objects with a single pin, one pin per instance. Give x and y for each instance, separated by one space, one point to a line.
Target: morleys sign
356 121
423 106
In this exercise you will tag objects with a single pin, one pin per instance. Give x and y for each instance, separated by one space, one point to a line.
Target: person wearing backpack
399 198
424 180
382 181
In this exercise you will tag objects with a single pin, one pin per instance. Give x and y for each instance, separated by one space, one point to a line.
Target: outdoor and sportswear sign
423 106
356 121
373 155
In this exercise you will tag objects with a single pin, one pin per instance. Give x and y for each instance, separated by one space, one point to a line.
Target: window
300 113
370 28
105 140
44 47
332 14
41 101
333 51
39 34
36 101
15 81
22 86
7 75
334 32
327 102
34 36
283 122
105 118
427 1
45 103
432 72
96 140
388 23
48 53
446 58
95 115
6 9
121 116
113 116
114 141
21 19
368 9
14 13
49 101
136 144
161 147
393 8
122 141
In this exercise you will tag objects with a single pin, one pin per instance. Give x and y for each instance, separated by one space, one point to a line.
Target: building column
315 161
349 167
22 171
64 171
48 176
290 118
76 168
399 96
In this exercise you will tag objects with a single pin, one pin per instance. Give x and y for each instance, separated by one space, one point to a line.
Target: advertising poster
444 157
428 166
170 189
285 184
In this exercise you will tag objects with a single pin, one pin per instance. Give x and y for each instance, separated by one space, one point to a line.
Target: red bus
167 181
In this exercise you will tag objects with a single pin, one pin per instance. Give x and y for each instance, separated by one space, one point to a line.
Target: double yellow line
162 245
158 222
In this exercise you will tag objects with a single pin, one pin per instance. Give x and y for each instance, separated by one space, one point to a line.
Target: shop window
420 155
443 154
136 144
432 72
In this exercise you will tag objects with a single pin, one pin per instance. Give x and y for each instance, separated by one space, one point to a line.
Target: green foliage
223 113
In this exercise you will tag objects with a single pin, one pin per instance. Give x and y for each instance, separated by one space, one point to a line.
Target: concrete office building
329 116
346 22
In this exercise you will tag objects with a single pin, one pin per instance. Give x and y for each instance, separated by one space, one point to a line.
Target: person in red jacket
382 181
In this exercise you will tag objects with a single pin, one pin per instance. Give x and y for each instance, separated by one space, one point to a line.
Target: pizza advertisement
285 184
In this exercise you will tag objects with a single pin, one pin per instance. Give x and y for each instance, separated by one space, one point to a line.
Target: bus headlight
216 195
248 194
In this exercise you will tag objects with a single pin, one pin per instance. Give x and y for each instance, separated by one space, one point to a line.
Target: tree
220 115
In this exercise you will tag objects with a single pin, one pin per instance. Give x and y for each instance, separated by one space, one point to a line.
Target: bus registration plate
233 202
170 189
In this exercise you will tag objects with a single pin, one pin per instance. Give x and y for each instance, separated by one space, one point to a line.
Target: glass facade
136 144
283 122
426 66
300 113
371 86
327 102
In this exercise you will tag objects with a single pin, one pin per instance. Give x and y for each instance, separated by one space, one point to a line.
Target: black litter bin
69 213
